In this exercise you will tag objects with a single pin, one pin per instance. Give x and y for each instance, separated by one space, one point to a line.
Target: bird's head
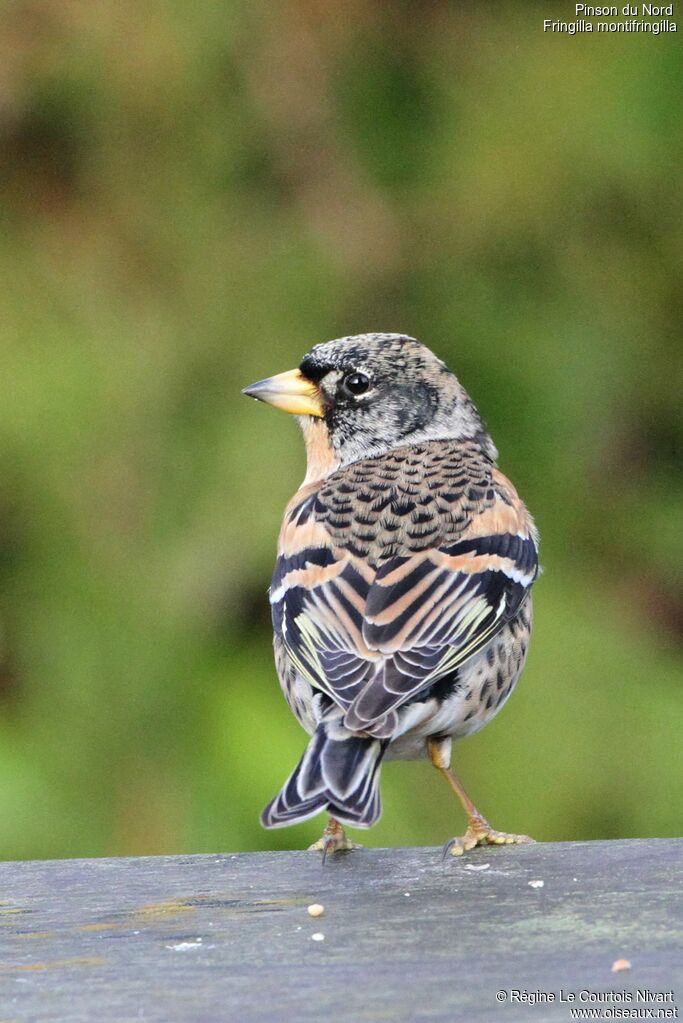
361 396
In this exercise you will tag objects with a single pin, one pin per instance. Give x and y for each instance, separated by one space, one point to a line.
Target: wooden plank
406 937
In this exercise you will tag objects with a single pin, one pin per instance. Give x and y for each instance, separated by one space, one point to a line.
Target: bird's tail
339 773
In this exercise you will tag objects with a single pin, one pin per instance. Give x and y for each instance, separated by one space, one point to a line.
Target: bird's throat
321 459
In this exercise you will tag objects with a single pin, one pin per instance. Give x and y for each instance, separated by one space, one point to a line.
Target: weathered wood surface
407 937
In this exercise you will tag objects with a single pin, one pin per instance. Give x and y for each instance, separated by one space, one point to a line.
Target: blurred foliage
192 195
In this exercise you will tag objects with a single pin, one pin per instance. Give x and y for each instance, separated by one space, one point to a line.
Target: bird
400 599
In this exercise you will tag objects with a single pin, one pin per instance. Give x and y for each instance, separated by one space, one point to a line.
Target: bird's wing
372 638
430 612
318 595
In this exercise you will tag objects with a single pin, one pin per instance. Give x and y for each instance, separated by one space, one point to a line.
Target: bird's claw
480 832
334 840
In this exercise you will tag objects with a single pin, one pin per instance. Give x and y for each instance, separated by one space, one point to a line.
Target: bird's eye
356 383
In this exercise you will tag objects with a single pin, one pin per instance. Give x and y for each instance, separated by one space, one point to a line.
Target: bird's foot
480 832
334 839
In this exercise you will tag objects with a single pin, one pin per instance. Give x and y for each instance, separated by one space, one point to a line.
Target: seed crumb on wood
621 964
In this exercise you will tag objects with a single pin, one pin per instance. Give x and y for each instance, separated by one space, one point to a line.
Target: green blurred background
194 194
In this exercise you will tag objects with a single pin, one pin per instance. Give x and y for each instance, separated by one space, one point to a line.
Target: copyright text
642 1003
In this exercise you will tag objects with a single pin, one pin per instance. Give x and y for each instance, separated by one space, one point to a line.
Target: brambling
401 597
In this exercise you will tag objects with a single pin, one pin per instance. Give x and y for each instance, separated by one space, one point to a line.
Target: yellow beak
289 391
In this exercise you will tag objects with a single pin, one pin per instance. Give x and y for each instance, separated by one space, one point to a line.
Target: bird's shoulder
411 499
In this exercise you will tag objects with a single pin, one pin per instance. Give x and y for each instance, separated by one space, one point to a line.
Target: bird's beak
289 391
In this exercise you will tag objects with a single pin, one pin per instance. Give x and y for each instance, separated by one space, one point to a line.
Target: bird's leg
479 831
333 840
